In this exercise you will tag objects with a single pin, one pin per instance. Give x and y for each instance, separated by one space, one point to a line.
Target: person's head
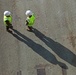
7 13
29 13
30 16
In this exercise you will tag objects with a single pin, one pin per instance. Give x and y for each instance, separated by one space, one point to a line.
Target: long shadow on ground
38 49
59 49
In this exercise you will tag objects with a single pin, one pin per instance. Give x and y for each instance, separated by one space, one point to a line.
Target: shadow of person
38 49
59 49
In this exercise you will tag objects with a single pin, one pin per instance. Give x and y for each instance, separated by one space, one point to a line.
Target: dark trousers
30 27
9 27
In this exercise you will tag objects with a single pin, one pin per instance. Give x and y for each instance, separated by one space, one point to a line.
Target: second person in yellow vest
30 20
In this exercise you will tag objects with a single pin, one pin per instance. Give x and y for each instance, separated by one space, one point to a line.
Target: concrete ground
50 49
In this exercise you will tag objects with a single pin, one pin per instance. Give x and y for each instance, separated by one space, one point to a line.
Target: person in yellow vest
8 21
30 20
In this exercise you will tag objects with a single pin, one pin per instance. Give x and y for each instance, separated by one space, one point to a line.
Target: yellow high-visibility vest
31 20
7 18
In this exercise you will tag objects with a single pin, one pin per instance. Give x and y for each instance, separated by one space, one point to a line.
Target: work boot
9 31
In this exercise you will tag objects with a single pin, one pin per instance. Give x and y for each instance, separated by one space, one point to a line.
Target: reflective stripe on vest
7 18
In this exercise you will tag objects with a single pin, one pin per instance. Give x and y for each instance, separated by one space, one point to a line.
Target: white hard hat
29 12
7 13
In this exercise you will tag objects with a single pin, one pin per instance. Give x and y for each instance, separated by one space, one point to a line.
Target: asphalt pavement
48 50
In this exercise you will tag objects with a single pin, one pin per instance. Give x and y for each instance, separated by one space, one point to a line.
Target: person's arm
27 22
